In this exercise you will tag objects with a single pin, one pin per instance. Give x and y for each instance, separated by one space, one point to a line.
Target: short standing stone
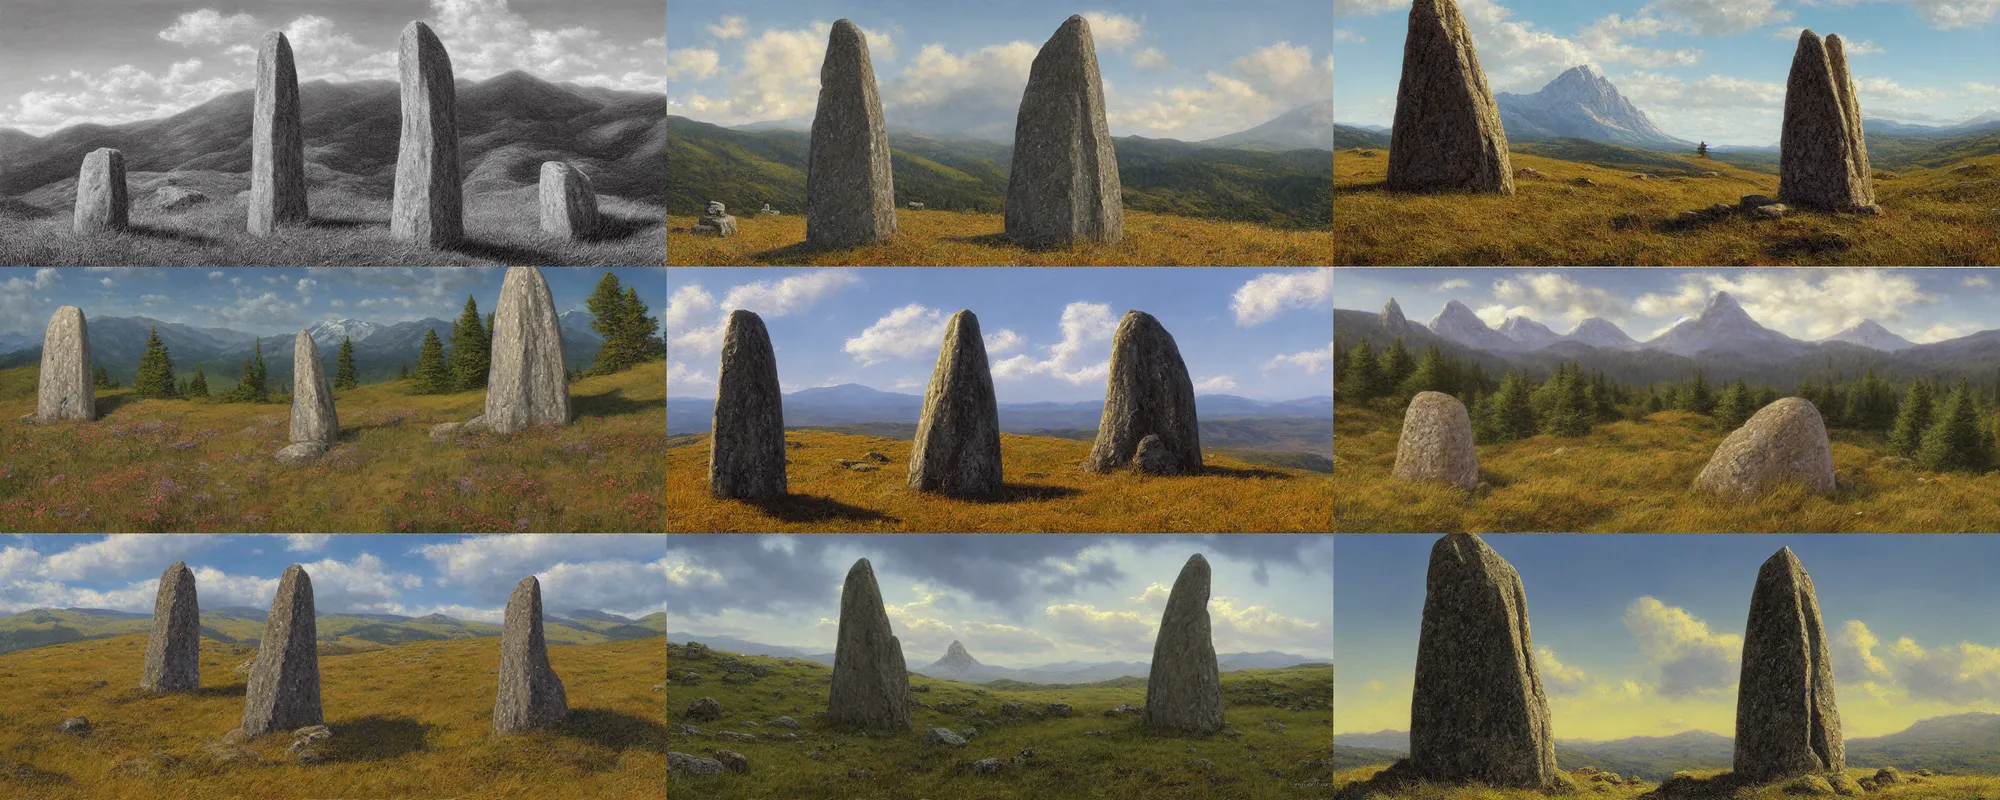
768 211
957 449
746 456
283 692
173 651
66 390
526 383
101 202
277 141
1447 134
315 425
850 194
871 686
1822 162
1477 710
1781 444
429 203
569 201
530 695
1184 689
1787 723
1063 186
1436 444
1148 393
716 220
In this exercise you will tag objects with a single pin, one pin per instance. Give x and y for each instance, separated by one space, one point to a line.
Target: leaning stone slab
568 201
957 447
1783 443
746 456
1147 394
277 141
871 686
850 194
1447 134
315 425
1822 157
1184 687
1063 186
67 390
101 202
283 692
1787 720
530 694
526 384
173 651
1436 443
429 203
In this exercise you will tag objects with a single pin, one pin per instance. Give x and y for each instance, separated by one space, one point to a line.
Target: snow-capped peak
333 330
1870 334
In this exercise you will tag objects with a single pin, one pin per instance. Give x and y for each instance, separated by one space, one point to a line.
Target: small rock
1060 709
175 198
1582 181
785 722
1756 200
986 766
943 736
1529 172
706 709
915 206
74 726
876 457
733 761
1772 211
693 765
860 774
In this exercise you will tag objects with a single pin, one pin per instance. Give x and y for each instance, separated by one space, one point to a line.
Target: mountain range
244 625
958 664
1581 104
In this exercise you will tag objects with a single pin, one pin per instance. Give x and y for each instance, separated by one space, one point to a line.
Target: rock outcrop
526 383
1436 443
101 202
850 192
568 202
1478 713
66 389
1447 134
746 456
1783 443
428 207
1787 722
283 691
173 650
957 449
1063 187
1184 688
277 141
1148 393
315 425
1393 321
530 694
1822 155
871 687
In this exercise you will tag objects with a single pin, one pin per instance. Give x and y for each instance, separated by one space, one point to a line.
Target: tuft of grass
1941 216
1694 784
203 465
952 238
1283 749
1637 477
409 721
1048 490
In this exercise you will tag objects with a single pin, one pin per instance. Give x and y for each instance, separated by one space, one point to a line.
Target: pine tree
433 374
1513 416
1695 396
181 389
102 380
343 370
1569 412
620 317
1955 441
1701 151
1395 366
198 385
1431 374
1913 419
1358 384
471 351
1871 404
250 388
156 370
403 371
1735 406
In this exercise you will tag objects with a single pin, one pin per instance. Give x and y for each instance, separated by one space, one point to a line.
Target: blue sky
1182 69
1923 305
1264 334
272 300
467 577
1641 635
1012 600
1701 69
114 61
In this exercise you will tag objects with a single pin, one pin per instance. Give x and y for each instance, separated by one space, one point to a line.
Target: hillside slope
45 626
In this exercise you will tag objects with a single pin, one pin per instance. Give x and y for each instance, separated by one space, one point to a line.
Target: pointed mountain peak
956 657
1870 334
1393 321
1722 301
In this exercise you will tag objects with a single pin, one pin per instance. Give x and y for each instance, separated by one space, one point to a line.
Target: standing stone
1787 723
315 426
277 141
526 383
283 694
850 194
429 205
1477 712
101 204
957 450
1148 393
1447 134
1184 689
871 687
1063 187
1436 443
716 220
530 696
746 455
1822 156
569 201
173 651
67 390
1783 443
1393 321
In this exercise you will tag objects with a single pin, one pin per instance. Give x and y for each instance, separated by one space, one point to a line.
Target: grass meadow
1915 787
1047 490
204 465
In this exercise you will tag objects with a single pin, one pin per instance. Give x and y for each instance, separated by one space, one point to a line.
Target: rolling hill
969 670
42 627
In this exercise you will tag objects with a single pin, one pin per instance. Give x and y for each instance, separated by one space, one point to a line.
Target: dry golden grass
1934 217
413 721
1637 477
951 238
1048 491
1932 787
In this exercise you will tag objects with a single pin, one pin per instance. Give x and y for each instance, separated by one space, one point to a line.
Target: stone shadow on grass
809 508
611 403
616 730
993 240
795 253
508 254
615 227
376 738
171 234
1246 472
344 223
1026 493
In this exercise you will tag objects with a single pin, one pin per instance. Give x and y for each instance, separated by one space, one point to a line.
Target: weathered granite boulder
568 201
1436 443
850 192
283 691
1184 688
428 207
277 141
1447 134
716 221
526 382
101 202
871 686
173 650
957 449
1478 713
315 425
1063 187
1783 443
746 456
177 198
1155 457
66 389
1787 721
1822 156
1148 393
530 694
